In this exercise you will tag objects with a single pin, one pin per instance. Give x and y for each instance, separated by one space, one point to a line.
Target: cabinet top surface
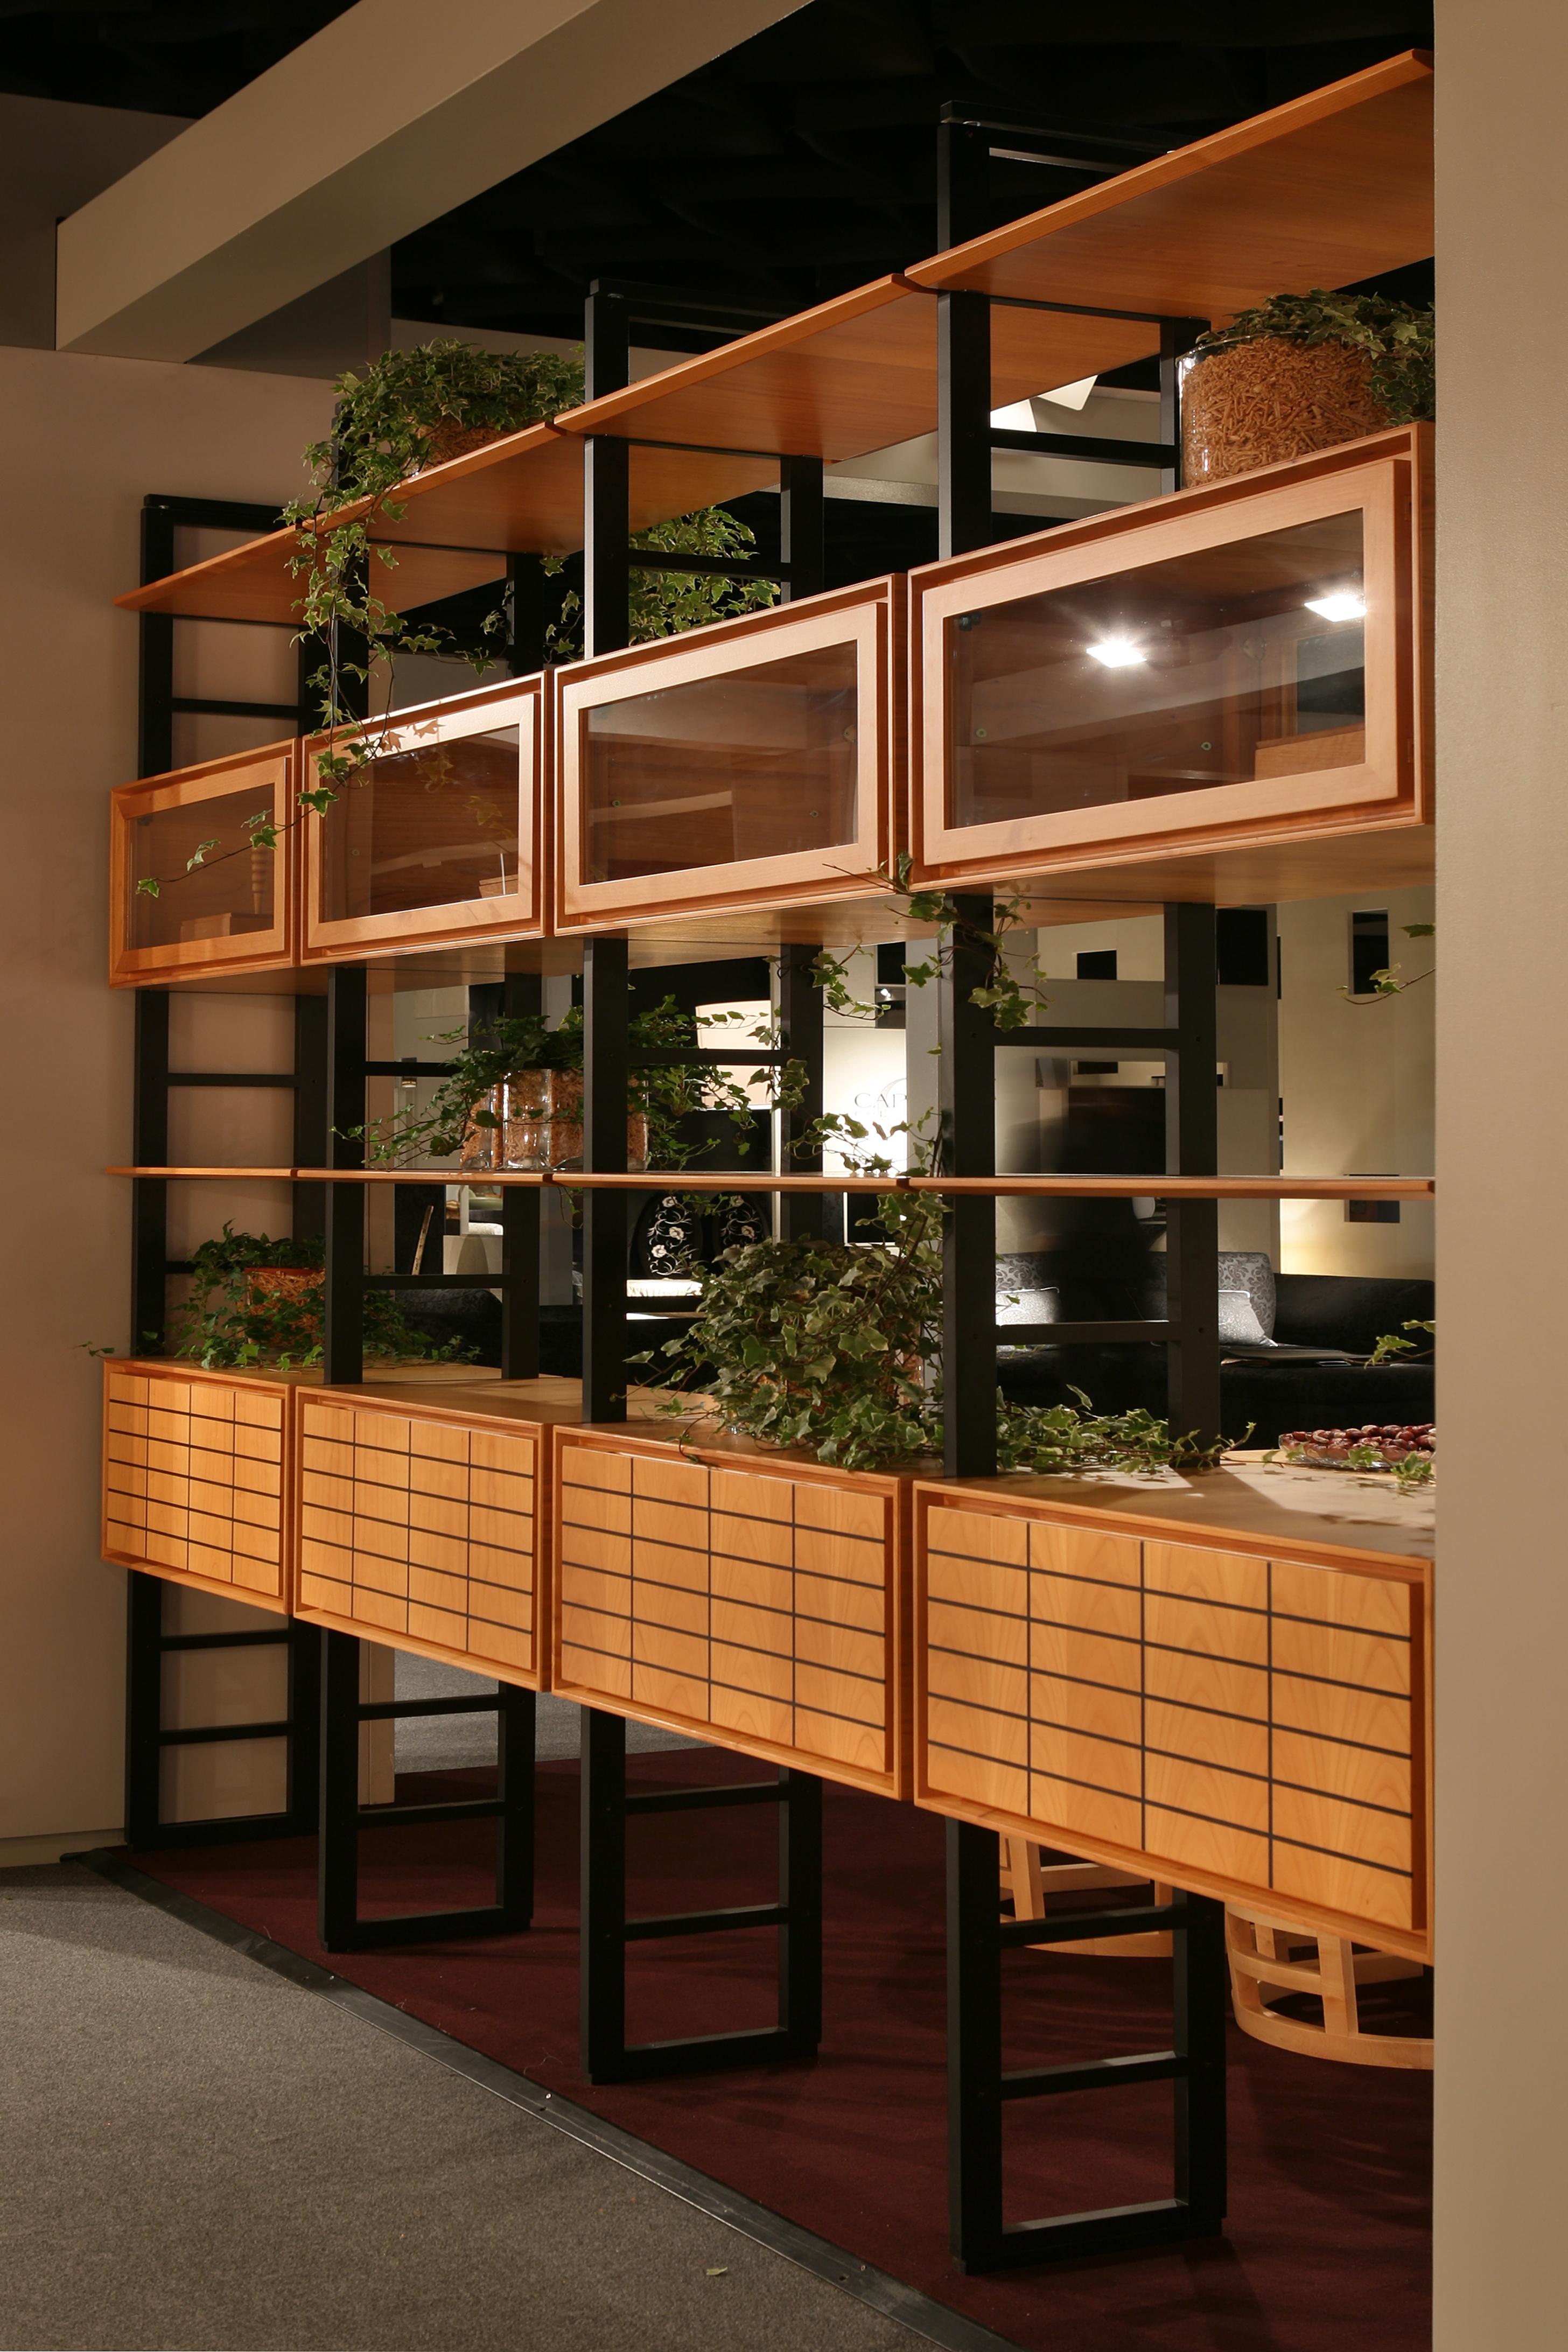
1274 1505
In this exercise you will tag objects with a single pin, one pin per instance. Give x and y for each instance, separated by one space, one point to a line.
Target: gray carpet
199 2157
438 1743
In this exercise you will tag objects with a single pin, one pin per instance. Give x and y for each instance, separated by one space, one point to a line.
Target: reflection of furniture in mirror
225 900
748 762
436 837
1235 664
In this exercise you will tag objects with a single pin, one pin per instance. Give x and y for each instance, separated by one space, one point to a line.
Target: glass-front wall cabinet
201 869
1221 663
435 836
748 764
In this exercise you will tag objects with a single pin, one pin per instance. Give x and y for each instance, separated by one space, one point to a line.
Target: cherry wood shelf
1330 189
1060 1188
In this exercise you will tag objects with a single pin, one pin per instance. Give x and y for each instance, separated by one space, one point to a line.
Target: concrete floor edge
878 2289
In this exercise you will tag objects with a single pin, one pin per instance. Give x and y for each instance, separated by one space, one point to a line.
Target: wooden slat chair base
1032 1882
1266 1964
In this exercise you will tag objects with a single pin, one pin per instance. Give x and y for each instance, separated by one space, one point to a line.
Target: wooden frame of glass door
867 620
1386 479
259 783
518 912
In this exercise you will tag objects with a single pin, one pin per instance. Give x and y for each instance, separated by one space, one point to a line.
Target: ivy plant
229 1322
389 420
664 1093
1011 1001
1399 340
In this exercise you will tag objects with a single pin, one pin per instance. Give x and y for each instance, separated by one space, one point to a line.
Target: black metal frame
606 1930
340 1927
979 2086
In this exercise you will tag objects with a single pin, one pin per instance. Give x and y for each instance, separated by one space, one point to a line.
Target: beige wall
1502 1149
1357 1084
86 437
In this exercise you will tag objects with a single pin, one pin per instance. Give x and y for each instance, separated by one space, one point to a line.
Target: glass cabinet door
746 762
435 836
203 870
1201 667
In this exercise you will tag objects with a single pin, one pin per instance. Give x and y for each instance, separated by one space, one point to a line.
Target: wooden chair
1271 1960
1031 1881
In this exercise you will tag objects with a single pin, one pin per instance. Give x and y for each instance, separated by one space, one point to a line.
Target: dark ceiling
798 164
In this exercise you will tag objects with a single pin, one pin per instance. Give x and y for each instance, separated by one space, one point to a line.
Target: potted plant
256 1303
1299 372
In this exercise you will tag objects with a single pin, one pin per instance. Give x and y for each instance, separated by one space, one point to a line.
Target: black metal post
606 481
342 1816
604 1096
310 1120
150 1194
520 1237
1192 1148
963 351
525 651
801 1215
803 545
967 1099
606 1930
343 1336
979 2085
144 1707
155 719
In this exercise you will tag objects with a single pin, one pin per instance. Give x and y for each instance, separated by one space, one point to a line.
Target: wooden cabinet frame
1297 1675
871 617
1388 478
757 1598
521 913
198 1472
267 778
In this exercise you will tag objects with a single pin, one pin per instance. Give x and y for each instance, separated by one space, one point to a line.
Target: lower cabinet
196 1477
427 1526
755 1599
1240 1718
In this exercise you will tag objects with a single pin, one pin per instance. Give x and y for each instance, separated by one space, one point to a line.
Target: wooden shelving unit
908 1632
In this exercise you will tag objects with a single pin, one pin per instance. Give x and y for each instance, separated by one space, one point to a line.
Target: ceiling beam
389 117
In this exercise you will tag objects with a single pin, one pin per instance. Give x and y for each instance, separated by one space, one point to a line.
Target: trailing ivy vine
232 1321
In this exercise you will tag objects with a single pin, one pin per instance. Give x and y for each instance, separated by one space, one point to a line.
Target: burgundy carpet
1327 2249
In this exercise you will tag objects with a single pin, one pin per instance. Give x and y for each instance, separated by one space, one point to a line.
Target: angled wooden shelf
1328 190
1331 188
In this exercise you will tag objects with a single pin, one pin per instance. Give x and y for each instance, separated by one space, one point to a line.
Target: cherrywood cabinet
196 1477
1229 667
748 764
760 1600
1226 1681
224 901
439 836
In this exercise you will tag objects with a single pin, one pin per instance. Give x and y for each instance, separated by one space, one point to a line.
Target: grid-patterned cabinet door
1237 1722
196 1478
764 1605
420 1530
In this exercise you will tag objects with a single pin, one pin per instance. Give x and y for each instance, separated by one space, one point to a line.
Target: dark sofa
1323 1310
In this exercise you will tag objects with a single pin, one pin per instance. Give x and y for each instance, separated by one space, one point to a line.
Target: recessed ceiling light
1118 653
1343 605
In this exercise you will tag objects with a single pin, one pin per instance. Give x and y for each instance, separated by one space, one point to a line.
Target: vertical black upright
310 1120
606 1930
606 1074
150 1194
963 351
801 1216
342 1714
606 481
802 547
980 2087
1192 1148
343 1336
519 1230
966 1099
